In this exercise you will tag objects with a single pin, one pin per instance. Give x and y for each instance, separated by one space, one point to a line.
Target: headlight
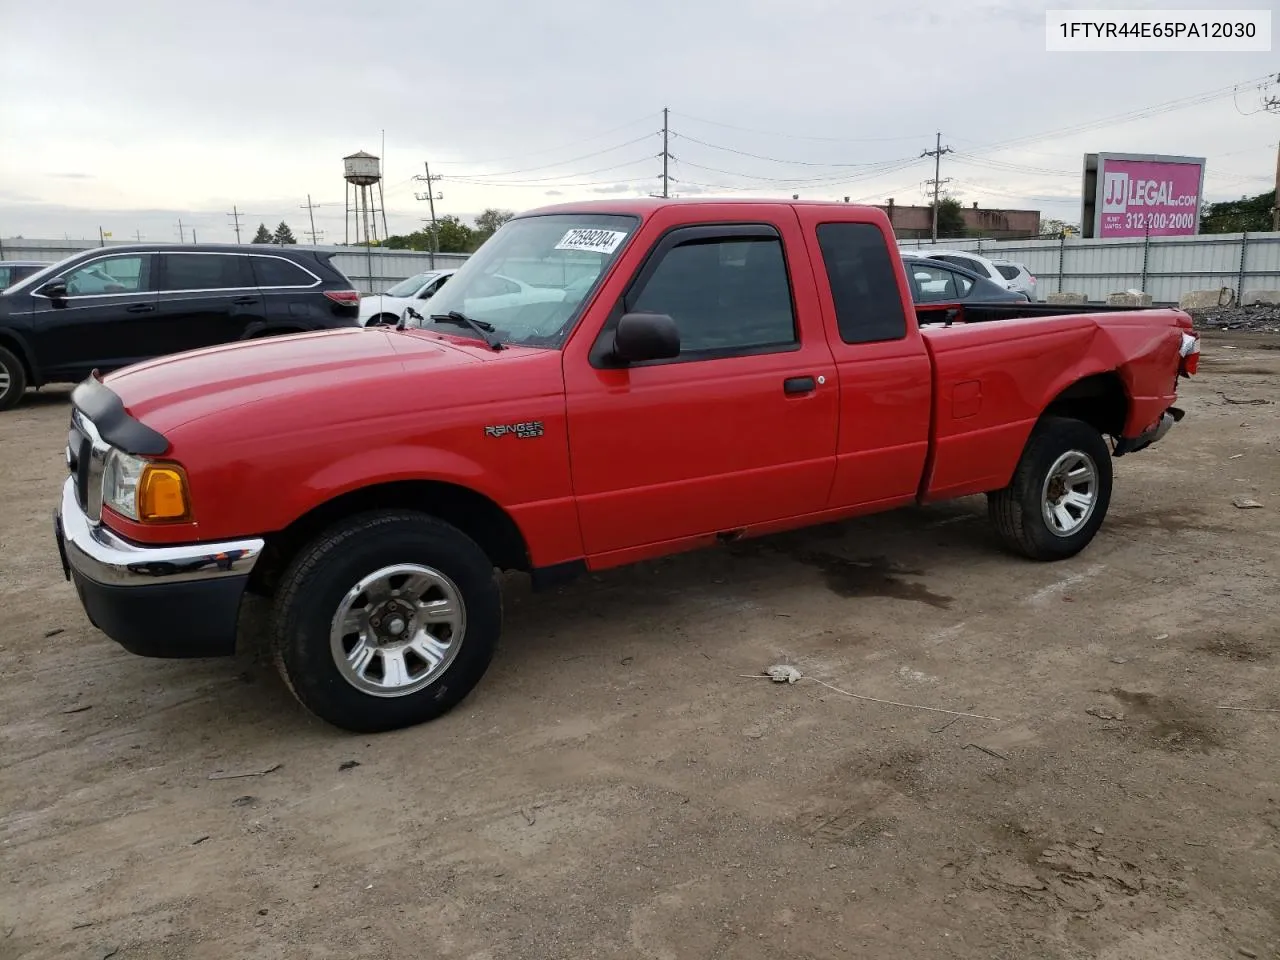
144 490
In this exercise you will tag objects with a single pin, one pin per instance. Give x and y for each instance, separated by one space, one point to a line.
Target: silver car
1018 276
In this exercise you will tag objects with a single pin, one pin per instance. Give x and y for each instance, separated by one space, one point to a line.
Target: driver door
106 321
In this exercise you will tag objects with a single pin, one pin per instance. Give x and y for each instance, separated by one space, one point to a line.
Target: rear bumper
1151 435
171 601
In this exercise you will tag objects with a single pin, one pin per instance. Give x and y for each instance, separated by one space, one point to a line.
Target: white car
1019 277
388 307
963 258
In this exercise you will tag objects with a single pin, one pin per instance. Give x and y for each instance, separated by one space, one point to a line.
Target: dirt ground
615 788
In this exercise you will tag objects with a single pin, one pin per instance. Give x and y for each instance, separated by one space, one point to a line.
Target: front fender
394 464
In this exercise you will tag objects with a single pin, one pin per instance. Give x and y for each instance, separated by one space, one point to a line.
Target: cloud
213 143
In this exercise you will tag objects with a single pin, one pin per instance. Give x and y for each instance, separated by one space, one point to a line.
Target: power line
797 136
536 153
759 156
559 163
534 181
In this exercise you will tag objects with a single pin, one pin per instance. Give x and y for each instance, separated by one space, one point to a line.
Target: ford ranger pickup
681 373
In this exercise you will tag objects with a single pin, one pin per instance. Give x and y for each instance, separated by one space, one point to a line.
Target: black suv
112 306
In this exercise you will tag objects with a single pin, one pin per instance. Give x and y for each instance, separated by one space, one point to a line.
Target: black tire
13 380
313 589
1018 511
383 320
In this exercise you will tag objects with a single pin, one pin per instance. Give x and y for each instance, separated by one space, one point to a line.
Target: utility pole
182 237
666 152
431 197
1275 207
235 217
311 212
937 181
193 235
138 234
102 241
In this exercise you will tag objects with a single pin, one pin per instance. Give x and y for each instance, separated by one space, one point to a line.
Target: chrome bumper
99 555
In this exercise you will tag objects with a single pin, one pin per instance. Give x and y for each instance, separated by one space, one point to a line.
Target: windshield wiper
481 327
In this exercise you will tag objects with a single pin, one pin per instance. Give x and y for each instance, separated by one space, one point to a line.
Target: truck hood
363 365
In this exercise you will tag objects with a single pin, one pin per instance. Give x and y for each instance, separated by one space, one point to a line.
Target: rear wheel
13 380
383 320
1060 491
386 620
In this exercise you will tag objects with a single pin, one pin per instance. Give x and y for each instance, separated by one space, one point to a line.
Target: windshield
529 279
407 288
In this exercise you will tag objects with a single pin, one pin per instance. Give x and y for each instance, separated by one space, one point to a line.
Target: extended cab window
725 294
205 271
864 286
278 272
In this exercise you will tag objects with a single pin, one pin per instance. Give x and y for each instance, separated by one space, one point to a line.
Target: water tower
362 172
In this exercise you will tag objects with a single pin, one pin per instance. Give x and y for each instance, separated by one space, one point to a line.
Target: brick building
916 223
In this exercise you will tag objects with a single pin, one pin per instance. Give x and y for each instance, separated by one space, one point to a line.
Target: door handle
793 385
140 308
244 301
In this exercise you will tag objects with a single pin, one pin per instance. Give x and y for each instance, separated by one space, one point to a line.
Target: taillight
348 298
1190 354
1033 279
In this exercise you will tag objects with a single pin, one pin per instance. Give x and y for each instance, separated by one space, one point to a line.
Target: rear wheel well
1099 400
14 347
474 514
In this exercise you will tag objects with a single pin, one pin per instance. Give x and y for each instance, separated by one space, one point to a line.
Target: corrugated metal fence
1165 267
371 271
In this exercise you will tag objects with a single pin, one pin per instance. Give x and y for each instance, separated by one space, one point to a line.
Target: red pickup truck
665 375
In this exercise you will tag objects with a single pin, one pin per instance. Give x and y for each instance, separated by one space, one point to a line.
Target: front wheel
13 379
386 620
1059 494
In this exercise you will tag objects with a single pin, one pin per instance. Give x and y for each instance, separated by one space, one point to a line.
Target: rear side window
278 272
863 284
1007 271
206 271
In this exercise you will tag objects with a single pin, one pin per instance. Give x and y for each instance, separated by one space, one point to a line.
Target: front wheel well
1098 400
15 347
480 518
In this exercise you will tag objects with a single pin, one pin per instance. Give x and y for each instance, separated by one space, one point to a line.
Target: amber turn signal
162 494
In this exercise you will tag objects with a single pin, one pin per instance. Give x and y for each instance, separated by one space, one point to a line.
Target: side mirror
646 336
55 289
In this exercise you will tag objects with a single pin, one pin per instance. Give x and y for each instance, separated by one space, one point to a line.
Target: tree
1237 216
283 235
950 218
454 235
488 222
1054 229
263 235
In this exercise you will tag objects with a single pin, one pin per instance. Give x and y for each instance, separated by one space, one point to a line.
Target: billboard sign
1138 195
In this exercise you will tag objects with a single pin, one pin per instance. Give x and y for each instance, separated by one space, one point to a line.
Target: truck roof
642 206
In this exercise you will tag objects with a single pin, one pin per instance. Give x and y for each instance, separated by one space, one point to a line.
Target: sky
133 116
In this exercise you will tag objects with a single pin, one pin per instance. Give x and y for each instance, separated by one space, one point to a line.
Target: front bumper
170 601
1151 435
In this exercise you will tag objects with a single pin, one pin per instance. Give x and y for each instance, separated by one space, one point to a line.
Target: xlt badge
530 428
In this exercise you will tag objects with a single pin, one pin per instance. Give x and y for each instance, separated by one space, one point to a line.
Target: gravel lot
616 789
